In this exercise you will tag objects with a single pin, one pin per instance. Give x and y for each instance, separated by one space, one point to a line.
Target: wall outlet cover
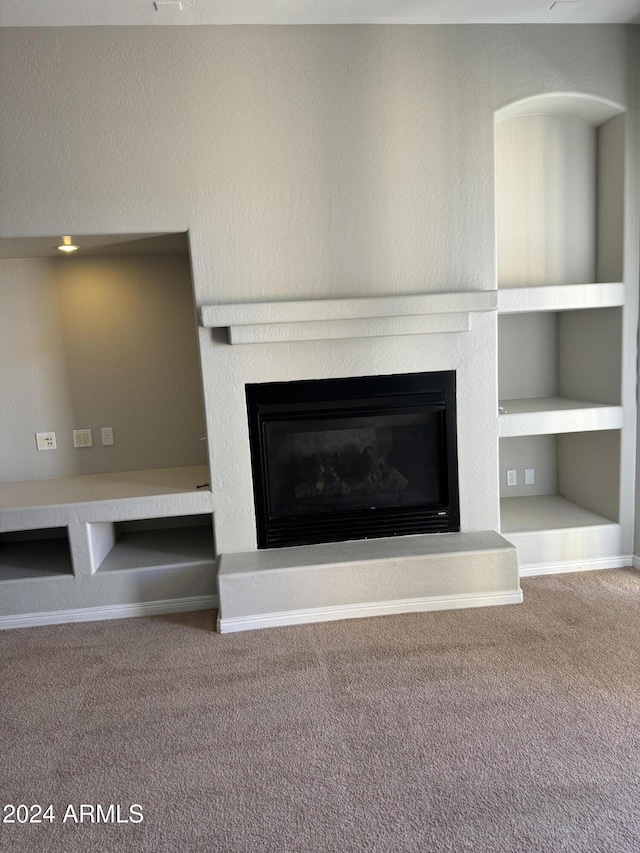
46 441
107 436
512 477
529 476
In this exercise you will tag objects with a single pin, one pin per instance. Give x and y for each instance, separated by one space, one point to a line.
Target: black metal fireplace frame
404 393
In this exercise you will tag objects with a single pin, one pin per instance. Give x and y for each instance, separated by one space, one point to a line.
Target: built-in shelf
131 520
563 337
545 512
546 415
561 356
105 497
553 534
562 297
35 555
170 547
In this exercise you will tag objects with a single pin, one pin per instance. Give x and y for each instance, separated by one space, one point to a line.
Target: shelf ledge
561 297
544 513
326 319
551 415
30 504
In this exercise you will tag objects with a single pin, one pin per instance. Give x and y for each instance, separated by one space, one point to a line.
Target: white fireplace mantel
337 339
324 319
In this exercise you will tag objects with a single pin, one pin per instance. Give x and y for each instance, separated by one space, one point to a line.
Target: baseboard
635 562
110 611
534 569
357 611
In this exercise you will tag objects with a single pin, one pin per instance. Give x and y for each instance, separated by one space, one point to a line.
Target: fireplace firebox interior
359 458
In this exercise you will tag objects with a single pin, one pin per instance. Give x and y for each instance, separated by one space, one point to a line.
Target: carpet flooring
513 728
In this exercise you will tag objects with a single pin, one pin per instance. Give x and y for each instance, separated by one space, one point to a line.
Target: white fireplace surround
331 339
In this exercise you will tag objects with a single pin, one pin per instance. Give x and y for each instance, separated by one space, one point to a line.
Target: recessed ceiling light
67 246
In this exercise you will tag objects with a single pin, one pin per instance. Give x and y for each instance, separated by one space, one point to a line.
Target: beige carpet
500 729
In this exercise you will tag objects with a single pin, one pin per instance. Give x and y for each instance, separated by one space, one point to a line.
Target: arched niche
559 162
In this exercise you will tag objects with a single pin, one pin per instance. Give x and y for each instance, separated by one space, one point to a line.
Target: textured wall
305 161
93 342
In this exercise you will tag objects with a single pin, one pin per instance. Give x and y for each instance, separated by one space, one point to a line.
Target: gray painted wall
93 342
304 161
527 355
539 452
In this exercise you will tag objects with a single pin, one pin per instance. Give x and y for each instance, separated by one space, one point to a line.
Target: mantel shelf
324 319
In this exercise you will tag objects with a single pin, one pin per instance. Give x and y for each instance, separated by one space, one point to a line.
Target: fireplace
360 458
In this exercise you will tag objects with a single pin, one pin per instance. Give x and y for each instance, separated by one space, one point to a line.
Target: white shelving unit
81 541
562 347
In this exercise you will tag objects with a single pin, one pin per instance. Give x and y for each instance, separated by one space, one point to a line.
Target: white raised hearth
331 339
345 580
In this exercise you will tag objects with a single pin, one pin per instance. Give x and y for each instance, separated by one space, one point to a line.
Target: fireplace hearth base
342 580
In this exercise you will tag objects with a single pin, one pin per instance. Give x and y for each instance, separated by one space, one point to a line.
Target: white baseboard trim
357 611
110 611
635 562
534 569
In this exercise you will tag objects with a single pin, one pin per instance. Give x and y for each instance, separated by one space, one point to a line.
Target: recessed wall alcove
565 402
105 337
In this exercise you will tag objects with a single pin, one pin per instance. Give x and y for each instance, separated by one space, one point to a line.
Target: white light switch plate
82 438
512 477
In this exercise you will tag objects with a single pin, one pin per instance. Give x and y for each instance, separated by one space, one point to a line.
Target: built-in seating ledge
322 319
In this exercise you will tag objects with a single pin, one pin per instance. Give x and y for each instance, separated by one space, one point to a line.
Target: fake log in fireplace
359 458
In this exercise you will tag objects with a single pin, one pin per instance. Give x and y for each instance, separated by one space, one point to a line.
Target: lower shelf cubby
582 467
152 543
35 554
568 518
554 534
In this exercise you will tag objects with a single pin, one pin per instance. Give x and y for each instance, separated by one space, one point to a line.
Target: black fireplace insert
361 458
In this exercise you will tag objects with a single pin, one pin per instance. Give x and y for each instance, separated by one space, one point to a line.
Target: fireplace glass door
353 458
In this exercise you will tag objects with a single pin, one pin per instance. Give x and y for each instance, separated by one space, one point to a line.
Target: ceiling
102 244
65 13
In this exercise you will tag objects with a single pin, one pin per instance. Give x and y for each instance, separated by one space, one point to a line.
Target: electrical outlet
107 436
46 441
82 438
529 476
512 477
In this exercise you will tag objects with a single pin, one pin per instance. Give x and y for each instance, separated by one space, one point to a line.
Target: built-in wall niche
576 481
571 355
559 163
106 337
151 543
35 554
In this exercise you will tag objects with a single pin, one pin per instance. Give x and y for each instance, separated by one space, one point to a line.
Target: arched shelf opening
559 162
590 109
